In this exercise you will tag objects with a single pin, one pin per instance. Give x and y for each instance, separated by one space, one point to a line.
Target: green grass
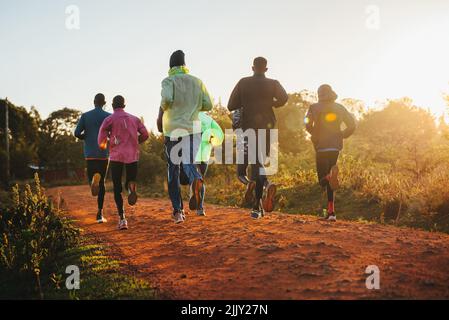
101 278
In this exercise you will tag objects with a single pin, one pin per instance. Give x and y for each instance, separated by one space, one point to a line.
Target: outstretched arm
143 132
79 130
309 121
207 103
103 134
167 94
280 95
350 123
160 127
235 102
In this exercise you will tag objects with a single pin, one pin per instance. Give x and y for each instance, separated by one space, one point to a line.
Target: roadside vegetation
38 242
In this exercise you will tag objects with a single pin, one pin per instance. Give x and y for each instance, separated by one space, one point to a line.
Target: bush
32 234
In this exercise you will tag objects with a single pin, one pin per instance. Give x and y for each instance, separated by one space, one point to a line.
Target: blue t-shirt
88 128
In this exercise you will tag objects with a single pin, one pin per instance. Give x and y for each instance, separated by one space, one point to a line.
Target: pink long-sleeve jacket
125 132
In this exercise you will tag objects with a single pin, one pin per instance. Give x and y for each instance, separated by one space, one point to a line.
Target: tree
355 106
58 148
401 136
290 122
23 135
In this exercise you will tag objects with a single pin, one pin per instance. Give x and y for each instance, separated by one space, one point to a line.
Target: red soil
227 255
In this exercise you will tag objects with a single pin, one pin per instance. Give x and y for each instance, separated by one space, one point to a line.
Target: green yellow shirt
183 98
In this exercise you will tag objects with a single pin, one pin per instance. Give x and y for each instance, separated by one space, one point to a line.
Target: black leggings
260 178
117 172
101 167
324 163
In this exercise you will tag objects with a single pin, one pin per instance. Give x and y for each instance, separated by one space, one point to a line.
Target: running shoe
269 200
123 224
258 213
201 213
329 216
179 216
132 193
195 194
244 179
249 197
95 185
333 178
100 218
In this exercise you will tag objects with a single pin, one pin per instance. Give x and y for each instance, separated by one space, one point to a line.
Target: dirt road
227 255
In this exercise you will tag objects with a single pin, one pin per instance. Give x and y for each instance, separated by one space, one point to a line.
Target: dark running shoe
269 201
195 194
249 197
258 213
132 193
95 185
244 179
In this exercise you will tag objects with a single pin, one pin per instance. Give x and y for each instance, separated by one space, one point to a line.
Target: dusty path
229 256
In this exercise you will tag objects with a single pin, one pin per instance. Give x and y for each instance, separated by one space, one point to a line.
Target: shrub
32 234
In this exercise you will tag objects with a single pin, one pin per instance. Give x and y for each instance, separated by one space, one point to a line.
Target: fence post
7 143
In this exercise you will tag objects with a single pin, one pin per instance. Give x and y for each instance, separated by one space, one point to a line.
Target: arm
350 123
167 94
207 103
309 121
159 120
143 132
280 96
79 130
235 102
217 134
103 134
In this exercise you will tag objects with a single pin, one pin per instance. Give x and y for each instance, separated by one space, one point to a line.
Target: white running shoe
123 224
179 217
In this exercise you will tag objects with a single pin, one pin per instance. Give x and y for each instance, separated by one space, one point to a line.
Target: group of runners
112 140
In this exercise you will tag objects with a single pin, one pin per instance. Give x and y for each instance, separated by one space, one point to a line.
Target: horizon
377 50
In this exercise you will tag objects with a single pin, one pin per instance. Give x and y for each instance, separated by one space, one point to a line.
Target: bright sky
123 47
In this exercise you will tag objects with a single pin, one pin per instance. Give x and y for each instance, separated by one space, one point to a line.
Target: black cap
177 59
118 102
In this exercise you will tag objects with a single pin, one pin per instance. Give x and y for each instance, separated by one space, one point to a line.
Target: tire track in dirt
227 255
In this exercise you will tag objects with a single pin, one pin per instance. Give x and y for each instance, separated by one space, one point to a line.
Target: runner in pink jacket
124 132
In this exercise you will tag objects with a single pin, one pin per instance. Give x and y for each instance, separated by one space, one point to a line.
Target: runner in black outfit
323 122
256 96
242 168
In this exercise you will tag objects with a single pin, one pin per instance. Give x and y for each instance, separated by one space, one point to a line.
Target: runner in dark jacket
257 96
96 159
324 121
